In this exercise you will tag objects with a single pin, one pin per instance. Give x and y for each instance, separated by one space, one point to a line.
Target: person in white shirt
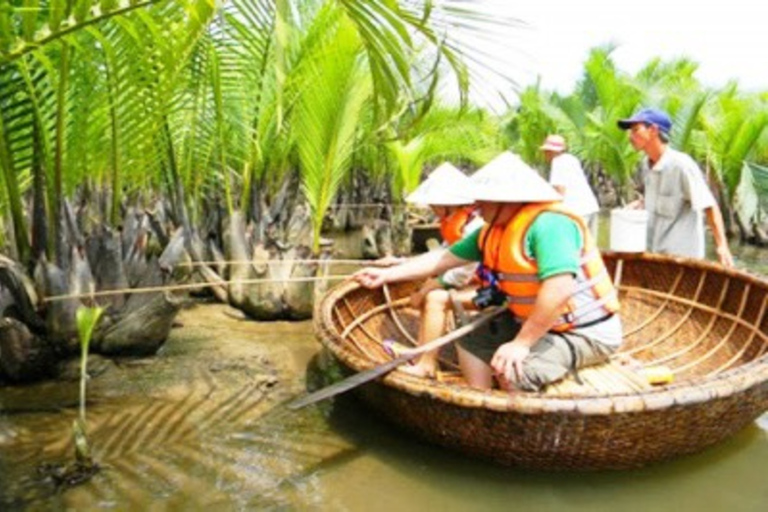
567 177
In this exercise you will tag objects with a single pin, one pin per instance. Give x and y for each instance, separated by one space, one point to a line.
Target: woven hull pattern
707 324
569 441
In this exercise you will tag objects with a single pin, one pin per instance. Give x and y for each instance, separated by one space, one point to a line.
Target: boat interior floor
619 376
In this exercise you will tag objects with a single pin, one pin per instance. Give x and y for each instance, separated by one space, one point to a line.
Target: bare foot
419 370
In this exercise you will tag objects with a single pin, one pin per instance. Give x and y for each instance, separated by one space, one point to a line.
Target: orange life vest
452 226
516 274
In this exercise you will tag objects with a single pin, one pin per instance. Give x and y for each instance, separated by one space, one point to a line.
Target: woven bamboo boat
705 323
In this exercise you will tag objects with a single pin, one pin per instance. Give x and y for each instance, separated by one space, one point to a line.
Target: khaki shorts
551 358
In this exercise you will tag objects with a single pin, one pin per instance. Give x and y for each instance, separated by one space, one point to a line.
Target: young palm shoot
87 319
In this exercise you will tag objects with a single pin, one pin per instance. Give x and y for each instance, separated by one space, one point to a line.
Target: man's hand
724 255
371 277
508 360
428 264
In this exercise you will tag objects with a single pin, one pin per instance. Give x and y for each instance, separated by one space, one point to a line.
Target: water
202 426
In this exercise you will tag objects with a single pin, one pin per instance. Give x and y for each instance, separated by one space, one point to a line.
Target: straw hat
446 185
507 179
554 143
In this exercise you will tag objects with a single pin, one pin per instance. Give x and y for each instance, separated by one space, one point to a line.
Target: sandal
394 349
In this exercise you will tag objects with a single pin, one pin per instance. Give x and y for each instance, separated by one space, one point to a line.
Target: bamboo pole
361 262
189 286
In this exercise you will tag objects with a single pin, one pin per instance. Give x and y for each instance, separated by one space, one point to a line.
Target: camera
488 296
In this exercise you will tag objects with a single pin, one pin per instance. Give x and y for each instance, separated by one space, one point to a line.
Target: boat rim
683 393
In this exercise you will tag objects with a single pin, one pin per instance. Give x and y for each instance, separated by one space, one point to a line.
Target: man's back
568 173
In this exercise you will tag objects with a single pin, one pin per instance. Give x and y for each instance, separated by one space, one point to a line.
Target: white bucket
628 230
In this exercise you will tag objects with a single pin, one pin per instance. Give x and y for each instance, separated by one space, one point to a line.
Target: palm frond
76 17
335 88
462 136
751 196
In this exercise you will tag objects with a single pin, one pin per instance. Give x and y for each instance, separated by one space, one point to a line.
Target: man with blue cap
676 195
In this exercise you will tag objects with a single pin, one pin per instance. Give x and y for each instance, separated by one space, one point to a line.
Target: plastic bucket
628 230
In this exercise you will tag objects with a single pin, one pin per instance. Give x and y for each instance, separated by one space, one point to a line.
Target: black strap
459 314
594 322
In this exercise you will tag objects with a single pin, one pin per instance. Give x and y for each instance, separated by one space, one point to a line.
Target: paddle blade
349 383
378 371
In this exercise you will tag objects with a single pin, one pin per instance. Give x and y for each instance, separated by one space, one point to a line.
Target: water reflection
399 473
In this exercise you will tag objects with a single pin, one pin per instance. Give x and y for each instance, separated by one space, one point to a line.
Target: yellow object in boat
658 375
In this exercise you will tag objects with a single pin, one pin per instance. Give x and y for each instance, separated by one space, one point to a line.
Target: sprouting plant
87 319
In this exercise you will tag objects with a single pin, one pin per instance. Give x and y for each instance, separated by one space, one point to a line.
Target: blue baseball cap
652 116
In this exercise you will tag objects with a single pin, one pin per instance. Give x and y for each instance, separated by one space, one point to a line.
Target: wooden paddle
377 371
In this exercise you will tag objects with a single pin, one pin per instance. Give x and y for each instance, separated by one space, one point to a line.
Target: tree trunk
743 228
761 238
143 330
23 356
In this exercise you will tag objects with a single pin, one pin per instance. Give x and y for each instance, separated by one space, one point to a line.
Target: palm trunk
15 205
58 194
115 185
189 234
39 209
218 101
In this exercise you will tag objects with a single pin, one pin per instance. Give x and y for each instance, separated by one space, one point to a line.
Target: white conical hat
446 185
507 179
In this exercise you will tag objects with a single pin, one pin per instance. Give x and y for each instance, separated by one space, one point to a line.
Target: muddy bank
211 341
168 424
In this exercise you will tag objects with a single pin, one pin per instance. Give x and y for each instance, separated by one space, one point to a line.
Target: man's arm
716 225
428 264
696 190
550 302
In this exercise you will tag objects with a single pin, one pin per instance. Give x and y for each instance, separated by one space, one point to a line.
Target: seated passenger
563 310
445 191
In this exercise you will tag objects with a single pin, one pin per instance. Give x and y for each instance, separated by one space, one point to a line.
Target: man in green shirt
563 309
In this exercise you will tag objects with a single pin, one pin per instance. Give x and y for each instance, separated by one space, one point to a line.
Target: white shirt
459 277
568 173
676 196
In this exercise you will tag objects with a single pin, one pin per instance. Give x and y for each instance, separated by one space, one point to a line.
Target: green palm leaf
335 90
65 19
751 196
462 136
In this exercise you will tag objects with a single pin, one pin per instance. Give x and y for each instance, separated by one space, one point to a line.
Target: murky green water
201 426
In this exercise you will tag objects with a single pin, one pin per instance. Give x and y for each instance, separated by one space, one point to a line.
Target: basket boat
706 323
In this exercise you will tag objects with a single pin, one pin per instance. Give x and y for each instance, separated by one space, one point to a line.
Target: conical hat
446 185
507 179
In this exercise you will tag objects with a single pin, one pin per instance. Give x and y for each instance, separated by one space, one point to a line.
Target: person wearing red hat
677 197
537 257
567 176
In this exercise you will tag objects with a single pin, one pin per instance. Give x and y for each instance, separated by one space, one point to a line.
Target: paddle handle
377 371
